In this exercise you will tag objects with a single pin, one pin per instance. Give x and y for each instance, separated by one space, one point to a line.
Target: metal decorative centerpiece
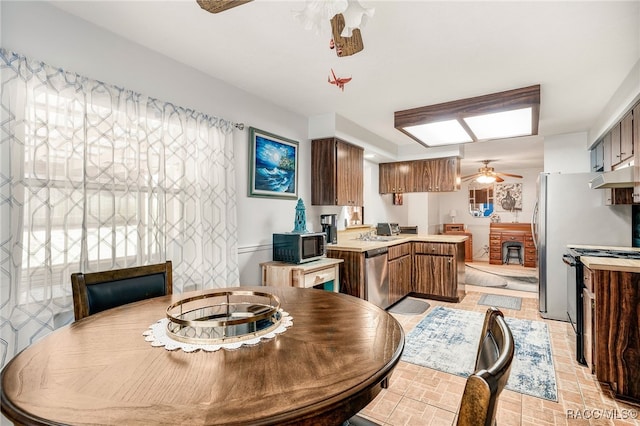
223 316
219 319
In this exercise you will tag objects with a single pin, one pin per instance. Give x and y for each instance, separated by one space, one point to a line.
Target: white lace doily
157 335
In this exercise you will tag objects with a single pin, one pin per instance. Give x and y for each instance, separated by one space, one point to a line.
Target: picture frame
508 197
273 165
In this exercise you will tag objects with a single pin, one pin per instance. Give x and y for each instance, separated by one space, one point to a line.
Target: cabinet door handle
320 278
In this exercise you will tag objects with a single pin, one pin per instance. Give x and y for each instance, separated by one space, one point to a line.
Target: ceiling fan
346 17
487 174
217 6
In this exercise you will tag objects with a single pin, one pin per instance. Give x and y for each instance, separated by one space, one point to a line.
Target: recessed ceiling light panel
438 133
498 125
500 115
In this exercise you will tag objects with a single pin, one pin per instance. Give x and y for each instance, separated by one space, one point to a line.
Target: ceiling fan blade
217 6
470 176
509 174
499 179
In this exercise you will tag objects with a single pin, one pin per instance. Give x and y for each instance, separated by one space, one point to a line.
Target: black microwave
299 248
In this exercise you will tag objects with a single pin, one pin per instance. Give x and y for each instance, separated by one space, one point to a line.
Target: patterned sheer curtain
96 177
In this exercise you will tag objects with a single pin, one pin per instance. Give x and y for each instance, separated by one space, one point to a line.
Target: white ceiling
416 53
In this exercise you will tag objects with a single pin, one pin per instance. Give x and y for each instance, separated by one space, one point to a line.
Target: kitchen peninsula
423 265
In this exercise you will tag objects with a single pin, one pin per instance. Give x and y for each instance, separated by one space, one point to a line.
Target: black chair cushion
105 296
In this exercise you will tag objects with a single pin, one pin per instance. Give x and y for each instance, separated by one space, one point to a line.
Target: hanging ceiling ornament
339 82
217 6
346 18
316 13
345 46
355 17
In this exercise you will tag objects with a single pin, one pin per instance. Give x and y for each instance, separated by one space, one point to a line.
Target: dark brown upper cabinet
337 173
431 175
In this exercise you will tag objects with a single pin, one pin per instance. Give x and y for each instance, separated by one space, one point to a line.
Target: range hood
620 178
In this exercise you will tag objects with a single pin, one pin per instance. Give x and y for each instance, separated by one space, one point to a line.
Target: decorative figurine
300 222
340 82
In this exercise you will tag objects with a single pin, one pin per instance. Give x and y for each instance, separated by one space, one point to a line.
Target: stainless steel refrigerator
568 211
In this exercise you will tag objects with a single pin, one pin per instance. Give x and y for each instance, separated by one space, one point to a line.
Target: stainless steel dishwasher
376 278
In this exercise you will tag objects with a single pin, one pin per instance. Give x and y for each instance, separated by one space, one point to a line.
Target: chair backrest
493 365
98 291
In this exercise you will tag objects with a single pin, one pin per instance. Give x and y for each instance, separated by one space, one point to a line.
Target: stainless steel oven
575 283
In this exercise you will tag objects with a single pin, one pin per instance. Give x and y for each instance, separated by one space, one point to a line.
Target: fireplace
503 234
512 250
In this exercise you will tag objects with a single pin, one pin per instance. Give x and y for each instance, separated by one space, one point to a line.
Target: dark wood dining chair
98 291
493 365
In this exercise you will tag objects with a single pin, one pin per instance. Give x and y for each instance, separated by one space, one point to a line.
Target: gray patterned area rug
500 301
447 340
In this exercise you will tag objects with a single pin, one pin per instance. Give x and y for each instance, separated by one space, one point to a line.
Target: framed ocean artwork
273 165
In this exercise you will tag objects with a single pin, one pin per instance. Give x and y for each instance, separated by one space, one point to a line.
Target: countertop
609 263
307 267
348 241
593 247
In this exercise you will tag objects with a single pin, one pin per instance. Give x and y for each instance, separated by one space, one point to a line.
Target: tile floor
422 396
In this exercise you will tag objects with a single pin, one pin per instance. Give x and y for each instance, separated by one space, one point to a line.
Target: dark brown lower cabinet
399 278
615 335
429 270
438 271
351 271
400 271
433 275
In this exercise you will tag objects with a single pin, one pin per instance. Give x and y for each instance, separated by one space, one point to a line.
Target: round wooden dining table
322 370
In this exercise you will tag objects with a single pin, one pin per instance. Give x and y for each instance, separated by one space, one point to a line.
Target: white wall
380 208
627 94
479 226
419 212
43 32
567 153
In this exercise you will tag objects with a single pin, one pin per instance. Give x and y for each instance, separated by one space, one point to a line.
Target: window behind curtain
95 177
111 183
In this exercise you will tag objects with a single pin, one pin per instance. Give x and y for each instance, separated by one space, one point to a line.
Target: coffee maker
328 222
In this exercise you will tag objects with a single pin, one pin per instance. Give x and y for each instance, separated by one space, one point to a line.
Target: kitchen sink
381 238
369 237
